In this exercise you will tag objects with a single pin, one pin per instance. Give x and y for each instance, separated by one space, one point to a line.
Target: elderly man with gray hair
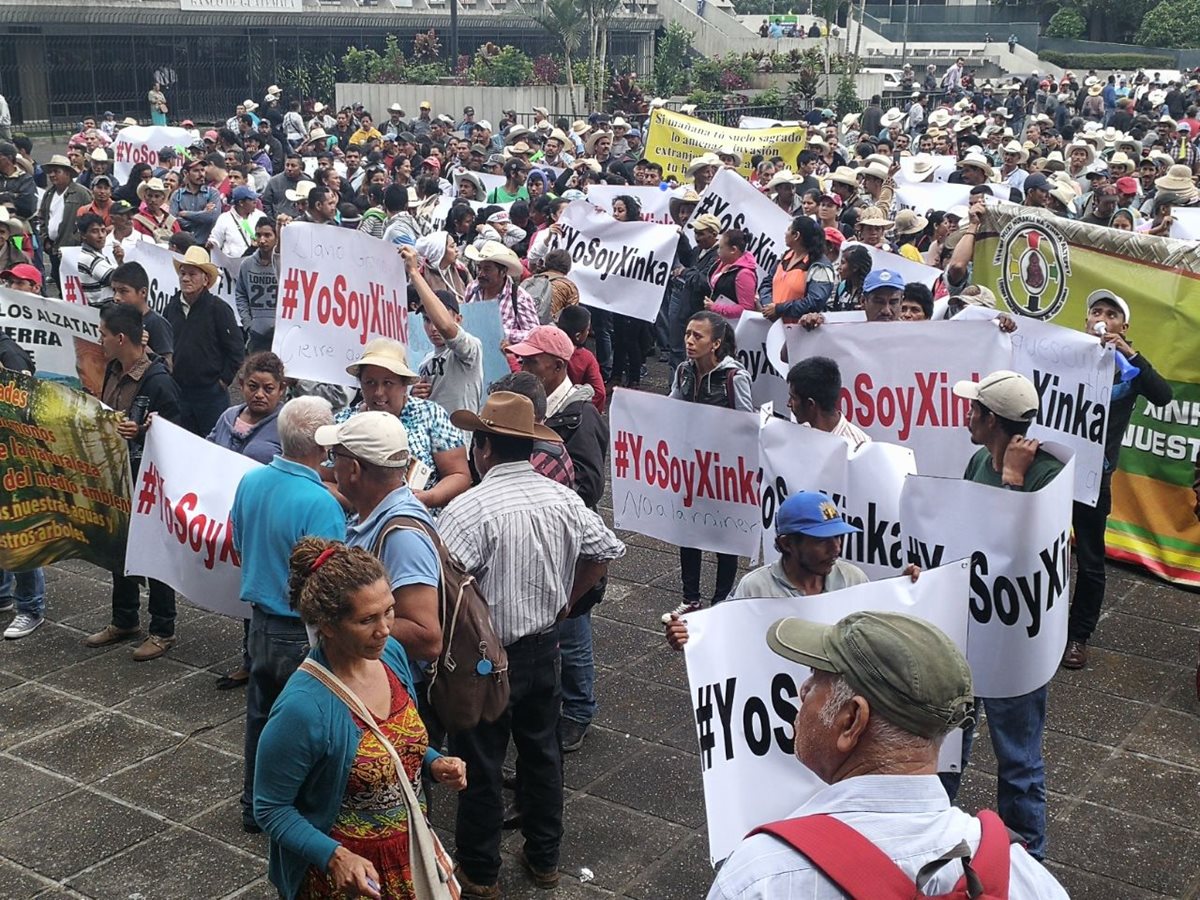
274 507
885 690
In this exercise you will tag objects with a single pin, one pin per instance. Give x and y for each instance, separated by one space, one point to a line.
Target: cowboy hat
58 161
844 175
1063 195
878 159
687 197
520 148
979 161
725 151
874 170
1120 160
816 141
923 165
317 134
150 184
387 354
703 161
1130 147
1086 147
849 119
250 106
1178 178
496 252
1014 147
892 117
579 126
1051 162
198 257
909 221
505 413
619 122
874 215
300 192
783 176
590 143
939 118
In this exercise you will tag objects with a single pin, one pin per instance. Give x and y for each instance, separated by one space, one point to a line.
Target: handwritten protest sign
654 201
685 473
63 338
744 696
181 523
1020 569
141 143
337 290
65 476
735 202
619 266
897 385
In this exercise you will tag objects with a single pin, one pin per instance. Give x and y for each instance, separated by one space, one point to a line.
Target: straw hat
979 161
1094 90
1014 147
301 191
198 257
505 413
874 170
849 119
150 184
923 165
387 354
783 176
873 215
878 159
892 117
908 221
592 138
58 161
496 252
1178 178
1086 147
1052 162
733 154
844 175
1120 161
128 121
688 196
816 141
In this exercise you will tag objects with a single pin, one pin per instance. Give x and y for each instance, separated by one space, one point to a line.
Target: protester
814 397
498 275
884 692
338 820
804 280
137 386
58 211
734 279
131 285
490 529
583 367
256 290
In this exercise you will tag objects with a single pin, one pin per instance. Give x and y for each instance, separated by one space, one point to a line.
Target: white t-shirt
454 372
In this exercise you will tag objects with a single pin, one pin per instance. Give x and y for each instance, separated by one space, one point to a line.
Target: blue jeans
1016 725
578 669
28 590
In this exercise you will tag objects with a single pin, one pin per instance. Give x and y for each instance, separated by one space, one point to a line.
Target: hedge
1105 61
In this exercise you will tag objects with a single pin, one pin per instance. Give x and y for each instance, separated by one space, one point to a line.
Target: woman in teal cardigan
325 788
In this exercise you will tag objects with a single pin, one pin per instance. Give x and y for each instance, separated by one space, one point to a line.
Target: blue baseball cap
883 278
243 192
813 514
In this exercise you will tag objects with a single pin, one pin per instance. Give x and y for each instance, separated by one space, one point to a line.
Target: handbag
432 870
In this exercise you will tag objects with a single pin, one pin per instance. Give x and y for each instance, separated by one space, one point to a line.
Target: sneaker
110 634
546 879
687 606
6 604
153 647
472 890
571 734
22 625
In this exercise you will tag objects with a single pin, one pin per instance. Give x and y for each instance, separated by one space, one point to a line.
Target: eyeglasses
332 455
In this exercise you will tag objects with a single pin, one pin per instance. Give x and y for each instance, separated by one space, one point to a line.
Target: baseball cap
121 208
425 104
375 437
813 514
23 272
1009 395
883 278
1037 182
545 339
1127 185
830 198
433 162
833 236
243 192
210 136
706 222
906 668
1109 297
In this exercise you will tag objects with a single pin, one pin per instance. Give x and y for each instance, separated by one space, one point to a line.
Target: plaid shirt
518 311
429 430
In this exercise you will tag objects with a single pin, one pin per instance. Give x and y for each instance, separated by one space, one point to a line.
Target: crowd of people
369 499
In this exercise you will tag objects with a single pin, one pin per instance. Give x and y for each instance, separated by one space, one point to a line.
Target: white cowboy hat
1086 147
939 118
979 161
1014 147
300 192
783 176
892 117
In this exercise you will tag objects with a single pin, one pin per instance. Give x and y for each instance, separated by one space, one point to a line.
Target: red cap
23 272
434 163
1127 186
835 237
831 198
545 339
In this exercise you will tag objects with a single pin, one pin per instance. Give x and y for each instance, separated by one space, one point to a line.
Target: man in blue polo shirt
274 507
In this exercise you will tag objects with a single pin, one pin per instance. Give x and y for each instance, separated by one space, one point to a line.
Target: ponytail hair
722 332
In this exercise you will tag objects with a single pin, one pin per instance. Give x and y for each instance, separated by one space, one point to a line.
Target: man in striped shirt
535 549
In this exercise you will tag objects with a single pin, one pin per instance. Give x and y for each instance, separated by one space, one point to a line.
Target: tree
568 26
1110 20
1173 23
1068 23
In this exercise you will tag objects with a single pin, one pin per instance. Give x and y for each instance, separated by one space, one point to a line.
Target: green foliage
505 66
425 73
674 46
845 99
1067 23
1120 61
706 99
361 66
1172 23
313 75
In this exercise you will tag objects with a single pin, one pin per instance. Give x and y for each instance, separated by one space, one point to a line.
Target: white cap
375 437
1109 297
1009 395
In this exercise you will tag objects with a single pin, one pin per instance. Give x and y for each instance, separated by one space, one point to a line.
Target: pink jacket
735 286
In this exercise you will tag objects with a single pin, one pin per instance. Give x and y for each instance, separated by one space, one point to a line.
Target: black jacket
585 435
1147 383
23 189
208 341
15 357
160 389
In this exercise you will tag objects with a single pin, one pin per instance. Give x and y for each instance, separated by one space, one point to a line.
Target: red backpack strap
730 398
990 866
845 857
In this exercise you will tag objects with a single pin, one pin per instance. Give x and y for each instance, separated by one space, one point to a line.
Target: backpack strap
987 872
729 396
845 857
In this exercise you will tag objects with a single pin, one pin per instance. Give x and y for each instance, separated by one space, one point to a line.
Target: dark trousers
202 405
689 572
277 645
532 722
257 343
602 329
126 603
1089 524
630 343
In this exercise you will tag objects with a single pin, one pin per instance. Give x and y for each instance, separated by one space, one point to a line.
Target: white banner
226 285
766 384
943 168
180 530
864 484
909 270
655 202
733 200
63 338
1019 544
897 385
1185 223
618 266
745 697
70 285
685 473
749 123
337 290
141 143
932 195
160 269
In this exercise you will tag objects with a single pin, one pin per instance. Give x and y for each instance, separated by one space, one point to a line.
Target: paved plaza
121 779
